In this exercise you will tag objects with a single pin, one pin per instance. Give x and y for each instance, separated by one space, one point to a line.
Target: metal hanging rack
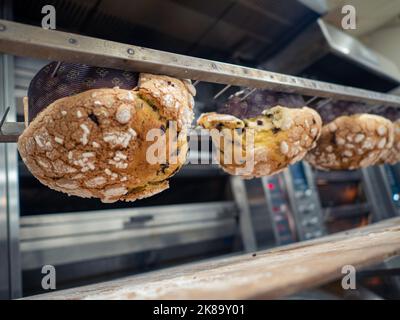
25 40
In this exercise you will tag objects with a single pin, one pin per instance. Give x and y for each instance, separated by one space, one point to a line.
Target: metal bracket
3 118
10 131
245 222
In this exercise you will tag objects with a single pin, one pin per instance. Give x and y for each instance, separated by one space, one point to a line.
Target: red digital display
271 186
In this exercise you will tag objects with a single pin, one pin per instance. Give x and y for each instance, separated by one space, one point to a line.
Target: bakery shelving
274 273
25 40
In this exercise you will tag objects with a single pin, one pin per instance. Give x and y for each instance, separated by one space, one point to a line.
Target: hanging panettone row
89 128
344 142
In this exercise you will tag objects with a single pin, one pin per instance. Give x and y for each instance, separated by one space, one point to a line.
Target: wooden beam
268 274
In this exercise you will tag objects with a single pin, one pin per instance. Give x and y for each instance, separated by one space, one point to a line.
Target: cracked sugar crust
93 144
282 136
392 155
173 97
352 142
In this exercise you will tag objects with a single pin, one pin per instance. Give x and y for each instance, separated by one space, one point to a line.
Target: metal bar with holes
22 40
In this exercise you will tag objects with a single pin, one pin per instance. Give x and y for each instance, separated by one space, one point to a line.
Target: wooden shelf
268 274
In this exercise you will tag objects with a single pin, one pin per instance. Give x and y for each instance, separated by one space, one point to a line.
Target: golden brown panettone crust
392 156
93 144
282 137
352 142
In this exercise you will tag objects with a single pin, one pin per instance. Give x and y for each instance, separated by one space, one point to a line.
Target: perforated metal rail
25 40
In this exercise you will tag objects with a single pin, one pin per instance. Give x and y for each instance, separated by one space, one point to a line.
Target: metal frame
9 194
378 193
82 236
4 248
10 270
245 222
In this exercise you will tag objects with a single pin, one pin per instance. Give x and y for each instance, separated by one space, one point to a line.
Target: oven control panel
293 204
279 209
304 201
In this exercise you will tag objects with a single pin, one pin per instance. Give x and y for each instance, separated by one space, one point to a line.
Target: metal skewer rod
222 91
248 94
56 69
311 100
324 103
3 118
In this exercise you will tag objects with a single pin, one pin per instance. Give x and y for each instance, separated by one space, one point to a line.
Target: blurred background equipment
205 213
